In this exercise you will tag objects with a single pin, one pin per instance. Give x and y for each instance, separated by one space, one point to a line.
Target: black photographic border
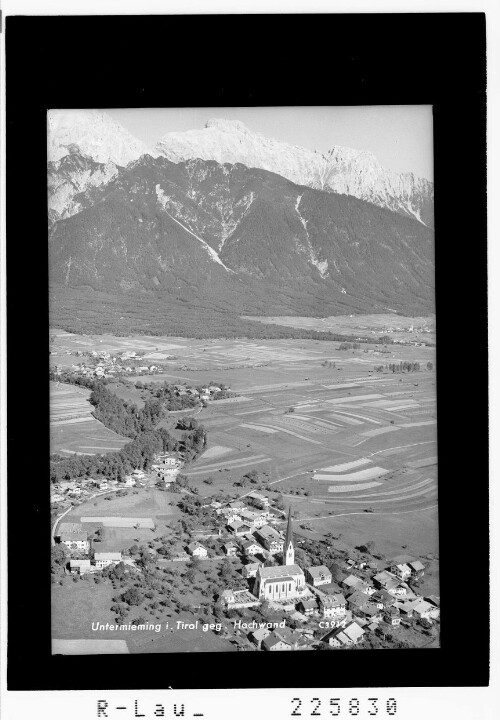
256 60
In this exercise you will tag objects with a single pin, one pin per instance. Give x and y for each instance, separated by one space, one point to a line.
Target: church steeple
288 551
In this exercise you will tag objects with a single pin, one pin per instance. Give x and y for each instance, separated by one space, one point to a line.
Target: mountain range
199 235
340 170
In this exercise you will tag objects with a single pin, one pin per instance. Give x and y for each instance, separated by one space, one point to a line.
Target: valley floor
353 451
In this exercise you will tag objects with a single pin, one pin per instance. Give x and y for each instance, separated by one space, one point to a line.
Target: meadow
72 427
350 449
363 325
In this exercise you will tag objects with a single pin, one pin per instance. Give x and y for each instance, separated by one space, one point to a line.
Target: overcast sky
399 136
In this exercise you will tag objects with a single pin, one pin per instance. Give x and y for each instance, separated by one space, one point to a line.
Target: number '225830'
337 707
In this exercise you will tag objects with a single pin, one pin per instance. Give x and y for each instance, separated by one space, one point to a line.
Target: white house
232 517
252 548
270 538
168 460
332 606
101 484
198 550
250 570
260 498
227 596
80 566
434 601
341 637
274 642
402 571
318 575
76 541
230 549
258 635
423 609
103 559
255 519
56 498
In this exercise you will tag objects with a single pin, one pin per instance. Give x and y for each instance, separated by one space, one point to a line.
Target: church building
284 581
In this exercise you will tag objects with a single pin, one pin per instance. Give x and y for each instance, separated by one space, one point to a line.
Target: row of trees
139 453
404 367
125 419
349 346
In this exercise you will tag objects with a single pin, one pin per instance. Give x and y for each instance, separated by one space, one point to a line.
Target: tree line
404 367
147 440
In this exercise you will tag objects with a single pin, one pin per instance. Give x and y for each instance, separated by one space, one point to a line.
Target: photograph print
243 427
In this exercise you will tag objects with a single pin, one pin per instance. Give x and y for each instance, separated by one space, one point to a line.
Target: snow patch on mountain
163 200
93 133
321 265
340 170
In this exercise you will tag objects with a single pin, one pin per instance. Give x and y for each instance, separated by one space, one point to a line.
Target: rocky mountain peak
92 133
340 170
229 126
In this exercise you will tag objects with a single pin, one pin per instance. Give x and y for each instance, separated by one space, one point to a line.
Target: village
263 534
100 363
270 598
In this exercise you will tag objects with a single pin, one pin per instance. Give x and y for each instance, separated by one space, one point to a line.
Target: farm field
75 606
89 647
145 504
362 324
73 430
352 451
136 517
312 419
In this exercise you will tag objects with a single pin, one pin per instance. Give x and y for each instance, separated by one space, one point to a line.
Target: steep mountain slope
94 133
73 175
85 149
340 170
240 240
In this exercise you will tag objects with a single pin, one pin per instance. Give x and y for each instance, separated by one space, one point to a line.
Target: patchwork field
342 442
397 326
352 451
73 430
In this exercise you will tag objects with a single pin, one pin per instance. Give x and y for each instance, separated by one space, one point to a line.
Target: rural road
58 520
337 515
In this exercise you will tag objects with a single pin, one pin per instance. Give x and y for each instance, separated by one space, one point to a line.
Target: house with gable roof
274 641
332 606
196 549
352 634
318 575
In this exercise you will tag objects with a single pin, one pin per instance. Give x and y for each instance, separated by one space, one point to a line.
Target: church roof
278 579
279 571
